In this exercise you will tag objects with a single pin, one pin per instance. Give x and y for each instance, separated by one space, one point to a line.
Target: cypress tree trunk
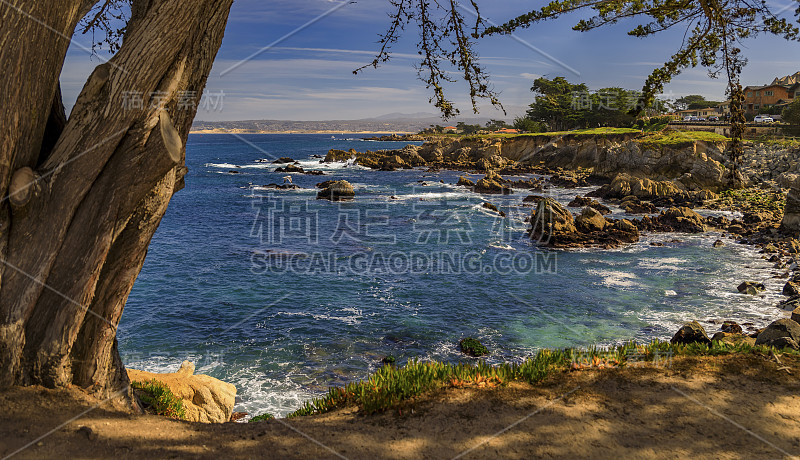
86 194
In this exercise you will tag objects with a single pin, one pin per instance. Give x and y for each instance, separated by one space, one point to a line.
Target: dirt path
724 407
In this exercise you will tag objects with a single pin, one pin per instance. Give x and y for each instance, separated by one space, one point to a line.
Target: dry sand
744 406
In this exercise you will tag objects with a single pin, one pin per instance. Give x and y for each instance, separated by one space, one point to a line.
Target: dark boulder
691 333
590 220
751 288
732 327
776 334
290 168
491 207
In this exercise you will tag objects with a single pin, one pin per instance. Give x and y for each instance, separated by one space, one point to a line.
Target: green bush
472 347
157 397
261 418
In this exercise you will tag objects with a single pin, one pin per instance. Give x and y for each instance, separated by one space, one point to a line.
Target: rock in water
791 289
590 220
751 288
491 207
780 334
339 155
290 168
683 219
492 183
718 244
336 190
691 333
465 182
790 304
551 220
205 399
472 347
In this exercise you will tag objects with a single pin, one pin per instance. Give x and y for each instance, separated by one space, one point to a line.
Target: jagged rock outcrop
591 220
205 399
553 225
340 155
465 182
664 193
690 166
679 219
492 183
551 220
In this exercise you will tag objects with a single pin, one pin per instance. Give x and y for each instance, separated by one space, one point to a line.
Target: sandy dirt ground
744 406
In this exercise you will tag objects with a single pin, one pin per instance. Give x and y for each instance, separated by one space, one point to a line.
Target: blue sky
308 75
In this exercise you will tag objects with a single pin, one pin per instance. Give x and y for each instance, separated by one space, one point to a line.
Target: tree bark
73 244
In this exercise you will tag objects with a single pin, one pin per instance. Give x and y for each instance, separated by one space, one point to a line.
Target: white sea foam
501 245
666 263
222 165
614 278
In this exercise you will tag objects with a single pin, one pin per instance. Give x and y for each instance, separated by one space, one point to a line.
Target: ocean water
284 295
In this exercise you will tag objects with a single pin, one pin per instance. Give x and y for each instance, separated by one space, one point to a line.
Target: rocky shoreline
658 185
658 188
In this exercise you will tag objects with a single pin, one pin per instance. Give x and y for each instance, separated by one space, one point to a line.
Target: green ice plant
393 387
159 398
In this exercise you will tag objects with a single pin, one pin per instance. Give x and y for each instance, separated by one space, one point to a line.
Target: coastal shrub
391 387
157 397
472 347
261 418
389 360
754 199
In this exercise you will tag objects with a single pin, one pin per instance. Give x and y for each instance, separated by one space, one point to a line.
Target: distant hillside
390 123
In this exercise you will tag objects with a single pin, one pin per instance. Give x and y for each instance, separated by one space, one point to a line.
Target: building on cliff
773 96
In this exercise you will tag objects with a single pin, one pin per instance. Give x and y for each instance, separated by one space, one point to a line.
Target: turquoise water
284 295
